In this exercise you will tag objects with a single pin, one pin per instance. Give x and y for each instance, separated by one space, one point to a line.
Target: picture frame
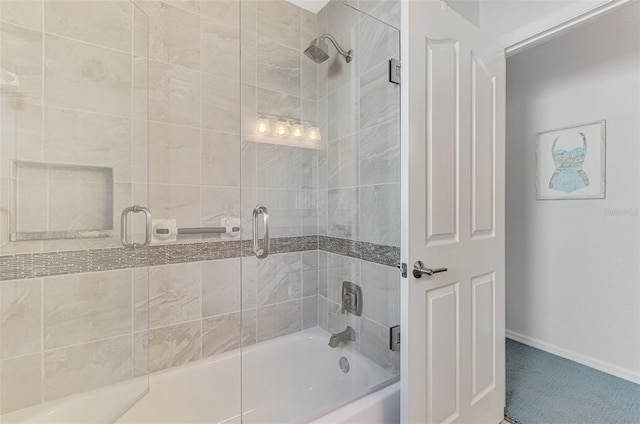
571 162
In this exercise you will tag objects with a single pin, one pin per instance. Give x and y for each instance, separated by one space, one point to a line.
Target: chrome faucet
348 335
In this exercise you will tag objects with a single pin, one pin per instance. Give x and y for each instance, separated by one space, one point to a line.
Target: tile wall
359 195
80 99
348 189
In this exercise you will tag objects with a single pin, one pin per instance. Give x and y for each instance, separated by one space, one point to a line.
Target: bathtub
295 378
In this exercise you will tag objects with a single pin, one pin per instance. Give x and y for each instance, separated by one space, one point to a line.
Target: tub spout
348 335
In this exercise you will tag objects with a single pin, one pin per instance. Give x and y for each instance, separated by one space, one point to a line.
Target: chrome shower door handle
124 227
419 269
261 252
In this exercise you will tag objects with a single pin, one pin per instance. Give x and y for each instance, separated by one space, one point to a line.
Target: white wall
572 271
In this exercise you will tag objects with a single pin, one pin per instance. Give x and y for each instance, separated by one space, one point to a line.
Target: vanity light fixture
262 125
297 130
282 128
313 133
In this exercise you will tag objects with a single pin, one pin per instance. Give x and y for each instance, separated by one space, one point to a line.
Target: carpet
546 389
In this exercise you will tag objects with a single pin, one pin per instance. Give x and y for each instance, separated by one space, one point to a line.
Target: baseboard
597 364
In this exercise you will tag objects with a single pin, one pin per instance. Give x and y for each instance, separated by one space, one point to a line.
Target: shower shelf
283 141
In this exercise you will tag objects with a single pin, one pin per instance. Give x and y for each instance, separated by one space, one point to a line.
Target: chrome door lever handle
419 269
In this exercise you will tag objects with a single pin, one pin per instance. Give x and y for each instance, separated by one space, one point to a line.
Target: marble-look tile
278 166
21 54
83 76
380 154
20 382
27 14
249 15
322 272
192 6
223 333
141 298
344 111
174 345
79 199
342 162
85 367
340 18
105 23
220 104
32 184
21 132
308 79
249 114
220 159
379 99
310 273
378 44
279 20
224 11
374 344
380 214
342 213
308 27
339 269
140 89
308 206
323 212
279 320
20 317
140 32
221 287
323 313
221 49
218 203
279 104
309 312
248 55
176 201
174 35
381 288
141 354
387 11
278 67
284 211
279 278
174 294
340 73
172 153
174 94
86 307
86 138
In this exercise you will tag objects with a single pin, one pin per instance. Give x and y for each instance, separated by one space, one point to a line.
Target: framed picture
571 162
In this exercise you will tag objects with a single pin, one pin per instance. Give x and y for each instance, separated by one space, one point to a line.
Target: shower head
318 50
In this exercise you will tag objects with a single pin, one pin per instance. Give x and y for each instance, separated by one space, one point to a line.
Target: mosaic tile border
370 252
34 265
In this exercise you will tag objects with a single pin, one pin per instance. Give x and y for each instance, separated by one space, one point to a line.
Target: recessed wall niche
55 201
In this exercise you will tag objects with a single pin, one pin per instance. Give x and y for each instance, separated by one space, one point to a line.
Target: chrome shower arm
348 55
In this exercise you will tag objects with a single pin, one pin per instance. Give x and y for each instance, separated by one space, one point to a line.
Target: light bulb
262 125
282 128
297 130
313 134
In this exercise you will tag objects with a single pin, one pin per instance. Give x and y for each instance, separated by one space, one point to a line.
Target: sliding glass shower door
73 156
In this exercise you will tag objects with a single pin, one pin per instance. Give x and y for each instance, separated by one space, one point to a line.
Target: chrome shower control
351 298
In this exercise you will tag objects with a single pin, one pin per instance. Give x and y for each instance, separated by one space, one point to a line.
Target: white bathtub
296 378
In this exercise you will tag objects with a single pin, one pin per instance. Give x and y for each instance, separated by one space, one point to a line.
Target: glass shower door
321 152
73 156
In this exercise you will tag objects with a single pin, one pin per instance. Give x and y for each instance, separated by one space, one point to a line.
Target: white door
453 361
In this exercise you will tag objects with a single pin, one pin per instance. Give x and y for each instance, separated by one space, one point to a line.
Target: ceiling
311 5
